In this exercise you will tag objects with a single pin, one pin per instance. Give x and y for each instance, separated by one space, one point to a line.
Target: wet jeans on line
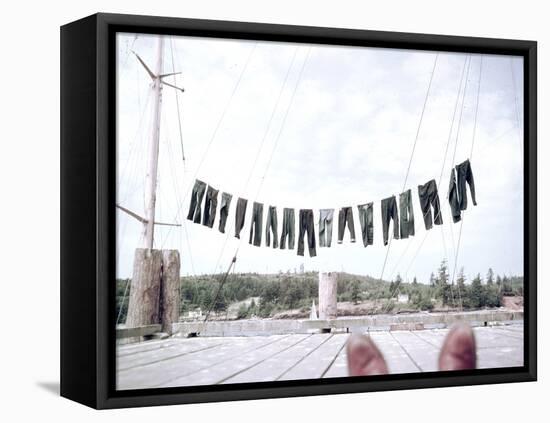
196 201
389 212
428 196
345 216
256 224
306 225
271 227
406 215
224 210
240 214
288 229
453 199
458 197
326 217
210 205
464 174
366 222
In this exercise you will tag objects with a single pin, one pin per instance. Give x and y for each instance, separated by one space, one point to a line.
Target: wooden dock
216 360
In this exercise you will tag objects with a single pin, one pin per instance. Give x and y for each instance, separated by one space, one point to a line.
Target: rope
270 121
218 291
442 166
283 122
268 127
420 122
452 170
464 92
471 153
462 109
176 93
128 172
215 132
448 142
128 50
177 191
412 154
134 150
257 155
469 59
477 106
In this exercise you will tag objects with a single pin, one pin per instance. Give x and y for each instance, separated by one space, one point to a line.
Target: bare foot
459 349
364 357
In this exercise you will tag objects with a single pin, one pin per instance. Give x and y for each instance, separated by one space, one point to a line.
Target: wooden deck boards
202 361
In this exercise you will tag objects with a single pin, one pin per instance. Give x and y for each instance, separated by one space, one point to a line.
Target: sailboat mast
153 159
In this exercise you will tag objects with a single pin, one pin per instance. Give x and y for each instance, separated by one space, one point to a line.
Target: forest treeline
288 291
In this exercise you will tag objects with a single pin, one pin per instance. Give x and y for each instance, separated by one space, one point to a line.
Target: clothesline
399 212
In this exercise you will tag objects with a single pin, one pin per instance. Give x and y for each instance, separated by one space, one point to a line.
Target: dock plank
396 356
422 353
212 360
273 367
228 369
513 333
487 337
160 373
168 352
316 363
339 365
491 358
127 349
435 337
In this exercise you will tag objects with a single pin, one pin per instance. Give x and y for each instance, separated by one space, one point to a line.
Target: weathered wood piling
154 290
328 284
170 290
144 302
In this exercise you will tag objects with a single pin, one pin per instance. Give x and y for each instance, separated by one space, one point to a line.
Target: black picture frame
88 211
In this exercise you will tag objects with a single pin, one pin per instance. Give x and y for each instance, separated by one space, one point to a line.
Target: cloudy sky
323 127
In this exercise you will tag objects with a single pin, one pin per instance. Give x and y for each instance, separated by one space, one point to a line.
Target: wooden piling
328 284
170 290
143 305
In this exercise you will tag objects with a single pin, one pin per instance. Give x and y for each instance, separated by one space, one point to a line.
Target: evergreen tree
506 286
398 281
476 292
462 289
490 277
415 282
443 289
460 280
432 280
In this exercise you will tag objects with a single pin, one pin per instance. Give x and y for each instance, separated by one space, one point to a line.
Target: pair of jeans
256 224
271 226
224 210
307 225
326 217
366 222
196 200
345 216
453 198
210 205
464 174
389 212
428 196
406 218
288 229
239 216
